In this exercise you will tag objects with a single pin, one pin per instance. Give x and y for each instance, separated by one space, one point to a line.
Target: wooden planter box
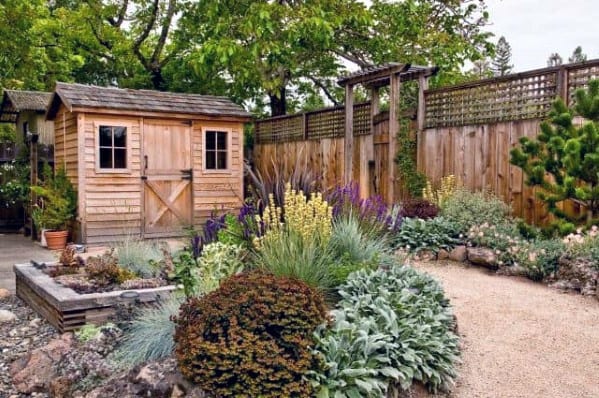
68 310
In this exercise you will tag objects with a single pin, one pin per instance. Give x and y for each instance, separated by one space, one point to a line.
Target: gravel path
520 338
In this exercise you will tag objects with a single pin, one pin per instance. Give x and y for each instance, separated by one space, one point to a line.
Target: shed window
216 150
113 147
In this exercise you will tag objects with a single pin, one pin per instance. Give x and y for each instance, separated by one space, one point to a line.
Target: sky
537 28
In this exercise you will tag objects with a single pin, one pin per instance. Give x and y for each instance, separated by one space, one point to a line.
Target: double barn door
166 177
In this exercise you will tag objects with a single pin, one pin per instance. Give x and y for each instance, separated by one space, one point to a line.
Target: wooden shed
147 163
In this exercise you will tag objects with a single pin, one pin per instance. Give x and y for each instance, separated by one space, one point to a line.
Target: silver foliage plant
390 328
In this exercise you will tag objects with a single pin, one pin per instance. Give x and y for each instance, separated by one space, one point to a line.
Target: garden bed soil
68 310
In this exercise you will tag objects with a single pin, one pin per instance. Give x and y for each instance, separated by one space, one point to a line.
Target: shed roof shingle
15 101
85 96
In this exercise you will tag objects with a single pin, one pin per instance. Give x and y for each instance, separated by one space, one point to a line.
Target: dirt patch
520 338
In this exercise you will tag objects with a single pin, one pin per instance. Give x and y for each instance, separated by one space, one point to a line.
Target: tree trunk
278 103
158 81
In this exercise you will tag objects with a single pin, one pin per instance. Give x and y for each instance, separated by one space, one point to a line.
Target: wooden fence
469 130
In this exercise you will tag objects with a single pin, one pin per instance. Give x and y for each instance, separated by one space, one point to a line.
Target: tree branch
120 16
166 24
325 90
144 35
352 58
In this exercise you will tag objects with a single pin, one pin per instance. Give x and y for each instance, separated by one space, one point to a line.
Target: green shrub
139 256
391 327
149 336
233 232
57 200
584 244
434 234
467 209
541 258
504 238
251 337
288 254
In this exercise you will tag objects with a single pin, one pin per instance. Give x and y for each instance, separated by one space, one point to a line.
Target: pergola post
349 134
394 92
367 152
421 110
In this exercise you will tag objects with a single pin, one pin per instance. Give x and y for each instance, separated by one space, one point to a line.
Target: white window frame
229 132
112 123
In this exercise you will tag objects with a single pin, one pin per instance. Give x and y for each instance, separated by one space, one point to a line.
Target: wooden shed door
166 177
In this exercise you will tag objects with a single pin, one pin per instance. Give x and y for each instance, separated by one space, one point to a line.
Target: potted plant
55 207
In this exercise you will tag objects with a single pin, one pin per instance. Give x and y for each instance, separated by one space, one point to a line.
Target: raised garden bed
68 310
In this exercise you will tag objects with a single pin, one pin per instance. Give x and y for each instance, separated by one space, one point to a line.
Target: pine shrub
251 337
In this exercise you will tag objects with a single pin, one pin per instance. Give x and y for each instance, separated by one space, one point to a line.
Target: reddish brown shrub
418 208
251 337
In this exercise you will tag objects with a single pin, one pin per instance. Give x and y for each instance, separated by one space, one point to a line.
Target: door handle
145 162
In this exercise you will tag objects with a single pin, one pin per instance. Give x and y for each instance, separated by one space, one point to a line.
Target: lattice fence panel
280 129
578 77
323 123
494 100
362 119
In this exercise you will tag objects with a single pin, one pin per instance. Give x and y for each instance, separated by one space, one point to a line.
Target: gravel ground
520 338
26 333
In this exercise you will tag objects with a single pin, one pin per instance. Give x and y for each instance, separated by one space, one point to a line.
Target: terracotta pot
57 240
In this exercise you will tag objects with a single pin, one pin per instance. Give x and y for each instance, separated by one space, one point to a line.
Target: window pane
106 158
105 136
210 140
120 137
222 160
222 140
120 158
210 160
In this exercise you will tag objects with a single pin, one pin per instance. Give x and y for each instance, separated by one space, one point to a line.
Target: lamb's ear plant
433 234
391 327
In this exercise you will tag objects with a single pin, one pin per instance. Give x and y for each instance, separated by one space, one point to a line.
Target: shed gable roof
86 96
15 101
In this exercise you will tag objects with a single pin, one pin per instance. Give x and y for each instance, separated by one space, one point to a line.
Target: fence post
305 125
421 111
349 133
393 132
562 84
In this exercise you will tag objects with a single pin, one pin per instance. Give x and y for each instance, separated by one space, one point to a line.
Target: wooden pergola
391 74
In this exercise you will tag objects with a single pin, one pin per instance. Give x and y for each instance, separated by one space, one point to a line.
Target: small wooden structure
147 163
390 74
68 310
26 110
354 142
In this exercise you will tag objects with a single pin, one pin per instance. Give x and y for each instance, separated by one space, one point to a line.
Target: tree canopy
281 55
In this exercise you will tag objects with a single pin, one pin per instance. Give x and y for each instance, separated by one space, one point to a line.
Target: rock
458 254
7 316
442 254
177 392
4 293
483 257
155 379
35 371
513 270
577 274
60 387
425 255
